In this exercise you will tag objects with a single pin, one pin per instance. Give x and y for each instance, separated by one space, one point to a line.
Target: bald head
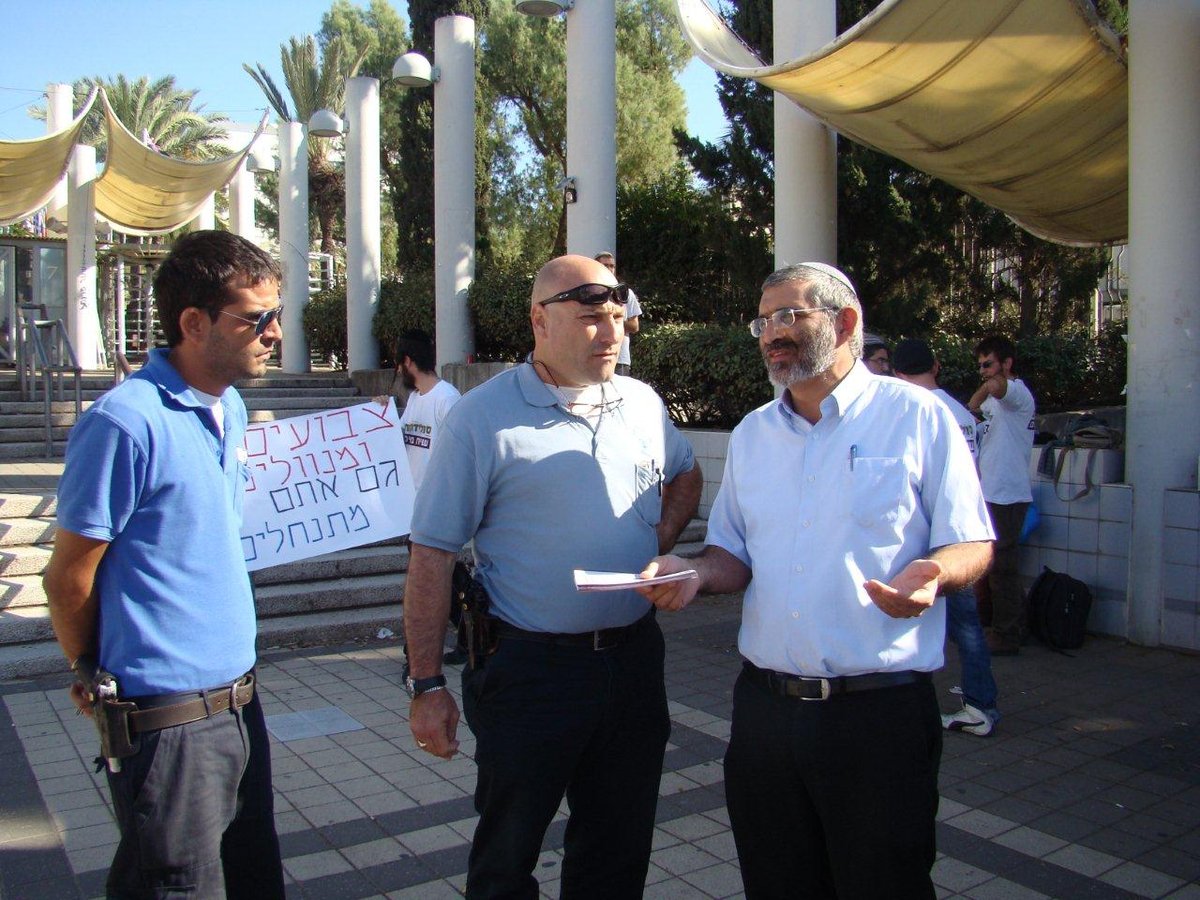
565 272
574 344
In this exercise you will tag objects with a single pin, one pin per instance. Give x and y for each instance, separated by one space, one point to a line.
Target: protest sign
324 482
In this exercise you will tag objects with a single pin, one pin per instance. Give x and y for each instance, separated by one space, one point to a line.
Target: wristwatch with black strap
418 686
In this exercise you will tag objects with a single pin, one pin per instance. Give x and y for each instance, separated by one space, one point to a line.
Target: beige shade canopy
1020 103
30 170
144 192
140 192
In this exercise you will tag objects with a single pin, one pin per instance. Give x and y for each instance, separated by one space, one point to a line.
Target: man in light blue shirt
846 507
552 466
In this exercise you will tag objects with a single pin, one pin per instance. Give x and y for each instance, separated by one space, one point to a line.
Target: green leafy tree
314 81
154 109
524 65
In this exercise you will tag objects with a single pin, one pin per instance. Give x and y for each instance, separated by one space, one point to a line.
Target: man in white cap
847 505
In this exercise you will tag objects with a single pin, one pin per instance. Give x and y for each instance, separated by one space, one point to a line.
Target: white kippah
832 273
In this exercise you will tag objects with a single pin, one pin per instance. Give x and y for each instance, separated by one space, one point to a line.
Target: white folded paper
622 581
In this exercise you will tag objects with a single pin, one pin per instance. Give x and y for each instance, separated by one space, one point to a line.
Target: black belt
169 710
797 686
602 639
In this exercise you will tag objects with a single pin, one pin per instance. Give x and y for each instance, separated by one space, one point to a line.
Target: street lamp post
363 255
453 80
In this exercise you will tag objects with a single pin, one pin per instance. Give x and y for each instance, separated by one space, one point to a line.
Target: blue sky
202 43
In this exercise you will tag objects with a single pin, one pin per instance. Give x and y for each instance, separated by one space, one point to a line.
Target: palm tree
314 84
156 110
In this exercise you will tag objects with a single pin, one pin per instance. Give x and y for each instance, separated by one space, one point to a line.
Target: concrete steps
274 397
348 595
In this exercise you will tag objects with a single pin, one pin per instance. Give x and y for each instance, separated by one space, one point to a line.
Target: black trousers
554 720
196 813
834 798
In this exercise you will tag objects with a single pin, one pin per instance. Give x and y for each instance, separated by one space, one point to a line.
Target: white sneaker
969 719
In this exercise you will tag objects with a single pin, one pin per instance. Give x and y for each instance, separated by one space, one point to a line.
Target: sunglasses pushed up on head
591 294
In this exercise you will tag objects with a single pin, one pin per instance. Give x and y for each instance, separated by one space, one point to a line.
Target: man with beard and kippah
847 506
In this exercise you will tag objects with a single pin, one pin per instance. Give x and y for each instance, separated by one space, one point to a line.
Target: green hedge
325 325
709 376
499 304
1066 370
403 306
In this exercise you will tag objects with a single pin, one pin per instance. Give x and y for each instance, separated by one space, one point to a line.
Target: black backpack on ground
1058 610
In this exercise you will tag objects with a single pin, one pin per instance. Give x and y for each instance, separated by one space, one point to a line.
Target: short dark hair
998 344
200 270
417 346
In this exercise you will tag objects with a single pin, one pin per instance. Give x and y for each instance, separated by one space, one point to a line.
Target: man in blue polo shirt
554 465
147 579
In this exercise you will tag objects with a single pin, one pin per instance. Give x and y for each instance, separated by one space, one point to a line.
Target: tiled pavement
1089 788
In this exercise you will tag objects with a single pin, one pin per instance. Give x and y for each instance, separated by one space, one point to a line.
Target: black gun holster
475 627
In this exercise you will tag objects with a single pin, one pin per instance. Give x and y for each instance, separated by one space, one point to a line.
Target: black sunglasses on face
592 294
262 321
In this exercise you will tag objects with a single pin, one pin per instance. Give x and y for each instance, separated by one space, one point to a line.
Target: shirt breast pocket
648 492
878 491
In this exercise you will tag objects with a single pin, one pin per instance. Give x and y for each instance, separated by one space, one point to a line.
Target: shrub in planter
403 306
499 304
709 376
324 323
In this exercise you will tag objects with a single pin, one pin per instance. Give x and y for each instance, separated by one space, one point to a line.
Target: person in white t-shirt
1005 440
429 399
914 362
633 313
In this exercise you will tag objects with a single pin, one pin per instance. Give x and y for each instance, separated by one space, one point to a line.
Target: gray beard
817 357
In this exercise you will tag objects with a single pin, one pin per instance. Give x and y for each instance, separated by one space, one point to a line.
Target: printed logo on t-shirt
417 435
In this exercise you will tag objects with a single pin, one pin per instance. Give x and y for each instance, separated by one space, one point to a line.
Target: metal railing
45 358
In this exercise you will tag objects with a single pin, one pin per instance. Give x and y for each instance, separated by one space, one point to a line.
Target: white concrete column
805 150
454 185
83 320
293 242
206 217
363 259
60 104
120 339
592 126
241 205
1163 427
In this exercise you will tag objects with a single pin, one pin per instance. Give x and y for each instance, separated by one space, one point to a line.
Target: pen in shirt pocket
853 455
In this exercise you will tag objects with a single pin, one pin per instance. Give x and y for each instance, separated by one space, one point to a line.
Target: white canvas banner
324 482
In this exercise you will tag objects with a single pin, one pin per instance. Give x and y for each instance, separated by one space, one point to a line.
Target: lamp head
544 9
326 123
261 161
413 70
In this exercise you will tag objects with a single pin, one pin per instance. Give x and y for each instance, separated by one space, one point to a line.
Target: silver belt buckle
825 688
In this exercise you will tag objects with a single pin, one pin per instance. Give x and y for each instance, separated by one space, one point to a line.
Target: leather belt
155 713
802 688
601 639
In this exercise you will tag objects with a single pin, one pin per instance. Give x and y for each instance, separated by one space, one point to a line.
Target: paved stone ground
1090 787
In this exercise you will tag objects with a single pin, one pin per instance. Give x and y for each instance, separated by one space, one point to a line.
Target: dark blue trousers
196 813
554 720
834 798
